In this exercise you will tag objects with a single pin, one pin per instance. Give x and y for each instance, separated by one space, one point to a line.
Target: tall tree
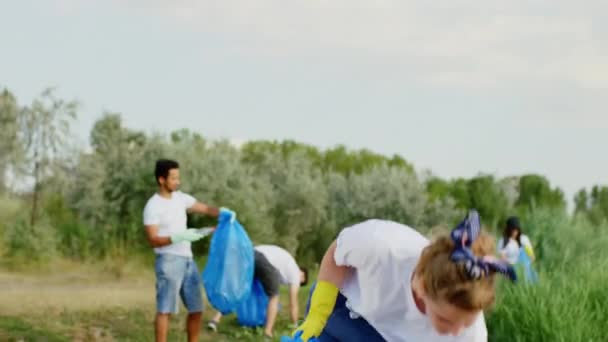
488 198
535 190
44 129
581 201
598 212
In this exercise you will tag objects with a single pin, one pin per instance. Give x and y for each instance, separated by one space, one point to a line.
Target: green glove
204 231
189 235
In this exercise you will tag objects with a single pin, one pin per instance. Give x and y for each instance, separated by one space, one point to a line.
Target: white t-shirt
511 250
169 214
383 255
283 262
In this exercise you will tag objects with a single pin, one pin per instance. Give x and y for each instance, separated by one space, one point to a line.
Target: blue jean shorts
177 276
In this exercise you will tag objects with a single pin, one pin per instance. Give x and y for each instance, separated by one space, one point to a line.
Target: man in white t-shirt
165 222
274 266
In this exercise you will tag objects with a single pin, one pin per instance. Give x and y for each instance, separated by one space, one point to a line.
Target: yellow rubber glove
321 306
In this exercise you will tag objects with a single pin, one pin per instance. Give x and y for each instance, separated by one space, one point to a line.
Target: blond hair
444 280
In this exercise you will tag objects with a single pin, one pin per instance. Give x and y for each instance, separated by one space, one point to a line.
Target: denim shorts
177 276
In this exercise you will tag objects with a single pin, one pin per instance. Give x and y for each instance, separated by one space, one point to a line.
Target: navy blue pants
341 328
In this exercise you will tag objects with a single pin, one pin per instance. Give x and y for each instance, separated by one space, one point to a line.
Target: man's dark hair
305 271
163 166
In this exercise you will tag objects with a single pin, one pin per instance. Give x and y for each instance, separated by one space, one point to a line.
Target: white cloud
460 43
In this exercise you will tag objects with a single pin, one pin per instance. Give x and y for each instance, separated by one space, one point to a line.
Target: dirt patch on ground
75 291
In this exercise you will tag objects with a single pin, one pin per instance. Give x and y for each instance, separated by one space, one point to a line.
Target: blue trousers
341 327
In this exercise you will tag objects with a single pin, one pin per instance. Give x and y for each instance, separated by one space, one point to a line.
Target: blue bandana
477 267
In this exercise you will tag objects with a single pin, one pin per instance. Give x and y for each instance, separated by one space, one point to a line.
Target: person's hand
189 235
204 232
322 304
225 212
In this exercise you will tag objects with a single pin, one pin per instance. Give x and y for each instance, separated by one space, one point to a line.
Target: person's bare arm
329 270
330 279
204 209
293 303
153 239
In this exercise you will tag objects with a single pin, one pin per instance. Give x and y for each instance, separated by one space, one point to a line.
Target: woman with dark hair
512 241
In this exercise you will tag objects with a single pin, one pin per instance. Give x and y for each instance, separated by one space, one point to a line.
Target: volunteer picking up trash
384 281
275 266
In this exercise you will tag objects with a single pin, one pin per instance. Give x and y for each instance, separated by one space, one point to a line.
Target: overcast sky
458 87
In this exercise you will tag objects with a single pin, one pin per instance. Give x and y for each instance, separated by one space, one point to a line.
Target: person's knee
273 303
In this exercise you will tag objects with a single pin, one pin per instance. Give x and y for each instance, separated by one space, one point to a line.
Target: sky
458 87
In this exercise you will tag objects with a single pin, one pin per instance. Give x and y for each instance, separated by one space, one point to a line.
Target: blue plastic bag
228 275
525 264
252 311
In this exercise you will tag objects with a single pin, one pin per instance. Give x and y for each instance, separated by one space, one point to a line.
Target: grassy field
71 302
89 303
113 300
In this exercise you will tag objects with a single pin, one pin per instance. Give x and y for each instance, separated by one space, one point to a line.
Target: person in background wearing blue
165 222
516 248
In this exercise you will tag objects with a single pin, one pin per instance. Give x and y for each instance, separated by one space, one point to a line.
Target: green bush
9 208
28 242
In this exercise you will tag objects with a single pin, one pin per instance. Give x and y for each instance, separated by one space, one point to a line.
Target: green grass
118 324
570 304
88 303
567 306
16 329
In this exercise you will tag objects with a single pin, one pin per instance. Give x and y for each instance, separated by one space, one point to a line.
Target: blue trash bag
228 274
251 312
525 263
